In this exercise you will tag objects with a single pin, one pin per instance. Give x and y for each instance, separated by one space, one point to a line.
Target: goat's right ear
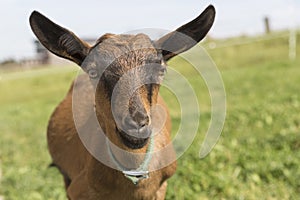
57 39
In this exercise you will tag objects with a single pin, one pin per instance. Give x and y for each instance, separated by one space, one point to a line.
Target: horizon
233 19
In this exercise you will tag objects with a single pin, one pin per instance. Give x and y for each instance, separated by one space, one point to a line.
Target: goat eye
93 73
162 71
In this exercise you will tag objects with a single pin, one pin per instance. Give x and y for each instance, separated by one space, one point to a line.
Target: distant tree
8 61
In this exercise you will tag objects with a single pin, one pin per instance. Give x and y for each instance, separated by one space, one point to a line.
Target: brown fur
86 177
90 179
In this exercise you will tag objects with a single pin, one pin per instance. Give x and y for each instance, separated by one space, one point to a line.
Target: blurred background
94 18
254 44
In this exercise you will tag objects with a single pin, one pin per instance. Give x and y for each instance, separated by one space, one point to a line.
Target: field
257 156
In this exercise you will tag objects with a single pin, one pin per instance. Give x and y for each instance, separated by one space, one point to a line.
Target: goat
124 114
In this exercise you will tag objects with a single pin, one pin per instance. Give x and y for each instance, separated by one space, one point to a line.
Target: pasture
257 156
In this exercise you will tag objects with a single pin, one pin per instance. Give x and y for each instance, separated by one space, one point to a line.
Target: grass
257 156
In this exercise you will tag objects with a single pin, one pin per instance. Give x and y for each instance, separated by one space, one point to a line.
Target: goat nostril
144 131
144 122
141 118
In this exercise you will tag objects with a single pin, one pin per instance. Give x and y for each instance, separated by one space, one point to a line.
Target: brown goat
119 90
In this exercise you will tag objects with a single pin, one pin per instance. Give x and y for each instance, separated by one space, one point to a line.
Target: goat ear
57 39
188 35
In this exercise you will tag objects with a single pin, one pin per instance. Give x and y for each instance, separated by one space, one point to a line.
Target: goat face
128 70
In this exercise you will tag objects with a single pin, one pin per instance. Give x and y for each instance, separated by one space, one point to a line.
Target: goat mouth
131 141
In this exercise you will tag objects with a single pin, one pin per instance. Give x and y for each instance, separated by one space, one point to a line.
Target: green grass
26 104
257 156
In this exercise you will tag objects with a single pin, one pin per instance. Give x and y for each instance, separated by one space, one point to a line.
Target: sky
92 18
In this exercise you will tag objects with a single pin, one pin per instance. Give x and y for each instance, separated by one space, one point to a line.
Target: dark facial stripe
150 92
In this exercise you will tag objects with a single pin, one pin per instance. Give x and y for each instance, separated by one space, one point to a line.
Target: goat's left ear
57 39
188 35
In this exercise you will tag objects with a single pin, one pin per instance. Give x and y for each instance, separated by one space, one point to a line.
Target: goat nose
137 125
141 119
136 120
